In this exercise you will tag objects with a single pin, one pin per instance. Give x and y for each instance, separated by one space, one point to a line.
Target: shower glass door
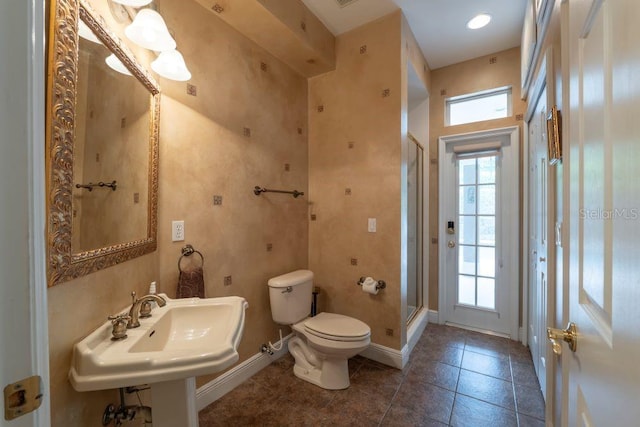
415 180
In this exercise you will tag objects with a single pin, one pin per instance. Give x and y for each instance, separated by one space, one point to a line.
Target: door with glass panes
480 219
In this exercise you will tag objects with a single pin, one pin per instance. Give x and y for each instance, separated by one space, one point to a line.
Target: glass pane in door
477 232
467 229
486 293
466 290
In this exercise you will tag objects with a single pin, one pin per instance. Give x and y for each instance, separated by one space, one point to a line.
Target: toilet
321 344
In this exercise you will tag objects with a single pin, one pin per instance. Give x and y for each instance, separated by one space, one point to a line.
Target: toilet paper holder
381 283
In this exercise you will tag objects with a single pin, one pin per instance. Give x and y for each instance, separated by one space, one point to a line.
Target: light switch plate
371 225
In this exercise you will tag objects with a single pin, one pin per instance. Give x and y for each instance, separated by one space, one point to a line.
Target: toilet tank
290 296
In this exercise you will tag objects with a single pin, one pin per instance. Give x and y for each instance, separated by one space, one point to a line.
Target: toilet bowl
322 344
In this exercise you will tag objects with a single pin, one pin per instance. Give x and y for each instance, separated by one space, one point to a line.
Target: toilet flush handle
287 290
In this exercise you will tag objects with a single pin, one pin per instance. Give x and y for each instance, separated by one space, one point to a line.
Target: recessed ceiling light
479 21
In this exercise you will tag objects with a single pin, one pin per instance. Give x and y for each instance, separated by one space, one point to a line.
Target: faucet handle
145 309
133 297
118 317
119 322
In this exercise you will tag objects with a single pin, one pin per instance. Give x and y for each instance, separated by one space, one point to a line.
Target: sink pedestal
173 403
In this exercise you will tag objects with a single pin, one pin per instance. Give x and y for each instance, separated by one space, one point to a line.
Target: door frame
424 219
544 79
513 276
23 30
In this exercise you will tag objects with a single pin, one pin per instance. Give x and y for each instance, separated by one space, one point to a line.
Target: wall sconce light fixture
115 64
170 64
148 30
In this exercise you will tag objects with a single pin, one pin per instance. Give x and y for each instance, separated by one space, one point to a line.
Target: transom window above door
479 106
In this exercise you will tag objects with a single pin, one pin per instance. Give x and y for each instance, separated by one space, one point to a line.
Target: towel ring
188 251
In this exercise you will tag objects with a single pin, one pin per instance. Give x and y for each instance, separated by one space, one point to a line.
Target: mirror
102 136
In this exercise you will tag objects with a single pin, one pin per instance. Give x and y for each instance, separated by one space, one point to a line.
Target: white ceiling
439 25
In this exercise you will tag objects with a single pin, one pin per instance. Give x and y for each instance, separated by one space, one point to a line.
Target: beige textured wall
204 152
285 28
354 174
357 160
458 79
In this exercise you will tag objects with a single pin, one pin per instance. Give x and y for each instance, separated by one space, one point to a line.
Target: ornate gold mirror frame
63 264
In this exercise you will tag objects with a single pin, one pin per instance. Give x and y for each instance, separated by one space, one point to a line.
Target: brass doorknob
451 244
568 335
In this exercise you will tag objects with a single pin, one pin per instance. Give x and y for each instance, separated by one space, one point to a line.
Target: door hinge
22 397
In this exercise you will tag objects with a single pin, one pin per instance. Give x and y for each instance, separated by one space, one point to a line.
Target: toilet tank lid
290 279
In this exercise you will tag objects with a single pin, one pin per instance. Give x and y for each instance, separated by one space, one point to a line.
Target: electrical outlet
177 231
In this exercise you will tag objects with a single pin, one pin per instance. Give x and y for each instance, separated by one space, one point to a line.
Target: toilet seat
336 327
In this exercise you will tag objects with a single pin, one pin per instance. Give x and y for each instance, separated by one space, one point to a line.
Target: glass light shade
114 63
133 3
86 33
149 31
170 64
479 21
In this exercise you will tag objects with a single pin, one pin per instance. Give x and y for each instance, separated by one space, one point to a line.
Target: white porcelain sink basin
185 338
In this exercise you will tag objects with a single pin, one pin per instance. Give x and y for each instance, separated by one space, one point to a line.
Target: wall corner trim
416 328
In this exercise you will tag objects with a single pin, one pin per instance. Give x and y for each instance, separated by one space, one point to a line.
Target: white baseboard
215 389
385 355
400 358
226 382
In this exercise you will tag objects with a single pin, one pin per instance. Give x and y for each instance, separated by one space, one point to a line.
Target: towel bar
259 190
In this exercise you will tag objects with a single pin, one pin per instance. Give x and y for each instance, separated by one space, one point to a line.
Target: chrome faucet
134 312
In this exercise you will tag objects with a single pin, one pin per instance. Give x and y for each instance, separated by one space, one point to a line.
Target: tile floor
454 377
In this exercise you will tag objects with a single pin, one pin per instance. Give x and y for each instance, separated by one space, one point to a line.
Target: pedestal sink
183 339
